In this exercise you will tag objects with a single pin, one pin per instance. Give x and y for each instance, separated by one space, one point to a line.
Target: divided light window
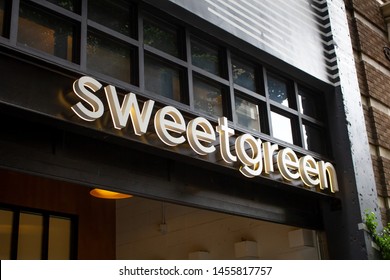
244 74
34 235
247 112
163 79
46 32
117 15
283 126
280 90
111 57
71 5
162 36
313 128
164 73
208 97
112 26
281 95
206 56
123 42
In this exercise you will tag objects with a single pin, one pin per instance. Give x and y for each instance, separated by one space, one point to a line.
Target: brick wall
370 42
368 9
369 36
382 128
378 84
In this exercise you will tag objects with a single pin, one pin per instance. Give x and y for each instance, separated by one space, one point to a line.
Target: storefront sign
254 156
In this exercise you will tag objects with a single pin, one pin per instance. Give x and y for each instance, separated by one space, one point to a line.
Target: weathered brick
378 173
378 84
371 43
386 175
368 9
381 128
372 139
362 78
374 83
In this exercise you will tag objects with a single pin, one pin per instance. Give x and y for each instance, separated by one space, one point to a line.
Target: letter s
80 89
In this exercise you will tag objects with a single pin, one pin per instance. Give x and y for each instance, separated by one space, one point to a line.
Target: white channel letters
254 156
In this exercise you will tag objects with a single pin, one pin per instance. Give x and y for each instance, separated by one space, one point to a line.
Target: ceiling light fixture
100 193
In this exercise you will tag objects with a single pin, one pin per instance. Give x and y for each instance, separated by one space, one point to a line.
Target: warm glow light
108 194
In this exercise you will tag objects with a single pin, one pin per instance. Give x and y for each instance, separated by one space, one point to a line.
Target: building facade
235 130
368 25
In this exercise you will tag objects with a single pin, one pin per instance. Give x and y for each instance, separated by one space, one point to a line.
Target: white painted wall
192 230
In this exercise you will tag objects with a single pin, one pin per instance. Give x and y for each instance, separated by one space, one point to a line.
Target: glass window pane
71 5
247 114
281 127
59 238
309 105
45 32
205 57
116 15
30 236
161 37
6 218
162 79
314 139
2 17
208 98
244 75
277 90
109 57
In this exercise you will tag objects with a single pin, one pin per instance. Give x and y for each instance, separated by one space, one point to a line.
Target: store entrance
132 228
149 229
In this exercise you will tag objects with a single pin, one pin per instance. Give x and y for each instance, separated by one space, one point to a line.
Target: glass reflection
161 37
45 32
116 15
314 139
162 79
30 236
277 90
281 127
205 57
71 5
244 75
109 57
208 98
309 105
6 219
59 238
247 114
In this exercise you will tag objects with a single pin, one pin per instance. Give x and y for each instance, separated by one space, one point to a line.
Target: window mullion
231 85
189 71
15 235
83 35
14 22
268 105
45 237
141 60
300 124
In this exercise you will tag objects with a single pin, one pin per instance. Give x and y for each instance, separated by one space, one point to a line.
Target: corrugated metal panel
296 31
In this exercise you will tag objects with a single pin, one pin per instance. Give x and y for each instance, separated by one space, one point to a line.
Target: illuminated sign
254 156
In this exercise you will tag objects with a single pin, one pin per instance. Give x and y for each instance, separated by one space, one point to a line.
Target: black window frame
17 210
141 10
58 13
